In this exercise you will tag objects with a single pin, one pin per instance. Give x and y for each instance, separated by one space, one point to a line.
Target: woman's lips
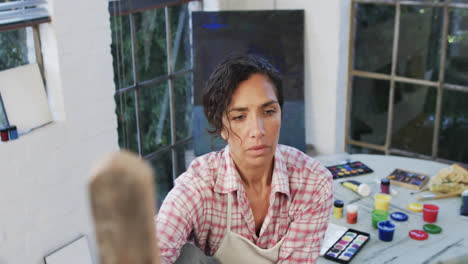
257 147
258 150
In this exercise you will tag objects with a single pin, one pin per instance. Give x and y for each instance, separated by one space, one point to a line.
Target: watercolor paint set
347 246
408 179
349 169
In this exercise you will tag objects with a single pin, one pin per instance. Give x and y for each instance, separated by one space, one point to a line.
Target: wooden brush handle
122 201
440 196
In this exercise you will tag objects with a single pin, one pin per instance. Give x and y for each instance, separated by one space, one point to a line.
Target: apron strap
229 216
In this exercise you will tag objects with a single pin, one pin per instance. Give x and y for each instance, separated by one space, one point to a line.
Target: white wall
326 62
43 194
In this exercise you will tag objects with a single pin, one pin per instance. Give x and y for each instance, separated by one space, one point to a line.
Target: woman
254 201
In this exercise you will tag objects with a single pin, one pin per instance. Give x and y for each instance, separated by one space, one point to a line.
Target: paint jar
12 133
382 201
464 204
386 230
338 209
418 234
385 186
377 216
351 214
415 207
4 134
430 212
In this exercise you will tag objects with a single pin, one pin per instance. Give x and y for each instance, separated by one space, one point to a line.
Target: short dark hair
225 79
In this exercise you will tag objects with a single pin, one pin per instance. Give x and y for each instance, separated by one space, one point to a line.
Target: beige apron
236 249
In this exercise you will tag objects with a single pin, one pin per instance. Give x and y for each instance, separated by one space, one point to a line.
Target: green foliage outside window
143 98
151 62
13 49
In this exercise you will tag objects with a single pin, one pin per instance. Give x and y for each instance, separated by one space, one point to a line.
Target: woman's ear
223 135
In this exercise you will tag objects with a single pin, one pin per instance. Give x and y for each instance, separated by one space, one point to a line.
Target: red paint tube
4 134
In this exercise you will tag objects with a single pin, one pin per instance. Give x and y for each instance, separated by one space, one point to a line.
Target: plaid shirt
300 205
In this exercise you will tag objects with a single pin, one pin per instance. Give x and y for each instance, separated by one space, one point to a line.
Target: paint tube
358 187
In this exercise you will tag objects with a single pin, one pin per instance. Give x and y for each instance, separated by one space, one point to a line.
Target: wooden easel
122 200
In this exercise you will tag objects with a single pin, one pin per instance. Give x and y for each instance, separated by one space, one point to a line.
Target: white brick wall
43 194
326 62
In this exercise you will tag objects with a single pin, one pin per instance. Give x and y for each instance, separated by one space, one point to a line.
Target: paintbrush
122 200
422 190
437 196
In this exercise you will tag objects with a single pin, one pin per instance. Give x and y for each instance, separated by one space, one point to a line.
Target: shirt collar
280 179
229 180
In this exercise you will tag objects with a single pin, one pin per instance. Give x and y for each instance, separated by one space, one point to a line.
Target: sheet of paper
333 233
24 97
77 252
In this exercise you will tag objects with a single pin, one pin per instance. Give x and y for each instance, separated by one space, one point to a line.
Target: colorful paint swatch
408 179
347 246
349 169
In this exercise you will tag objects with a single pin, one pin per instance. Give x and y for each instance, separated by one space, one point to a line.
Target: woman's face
254 121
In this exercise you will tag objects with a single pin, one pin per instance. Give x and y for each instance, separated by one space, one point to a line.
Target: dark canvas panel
276 35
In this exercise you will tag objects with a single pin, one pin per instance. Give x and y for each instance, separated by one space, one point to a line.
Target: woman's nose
257 128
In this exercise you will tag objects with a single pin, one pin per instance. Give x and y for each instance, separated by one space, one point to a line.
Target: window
151 47
20 45
408 81
19 38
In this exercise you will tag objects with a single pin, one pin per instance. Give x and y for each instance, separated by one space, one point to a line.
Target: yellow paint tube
358 187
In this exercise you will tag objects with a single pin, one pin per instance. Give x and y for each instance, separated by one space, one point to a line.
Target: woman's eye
238 117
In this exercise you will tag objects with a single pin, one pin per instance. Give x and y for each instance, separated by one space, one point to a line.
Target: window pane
162 166
180 38
453 140
183 87
373 39
151 44
352 149
13 48
420 42
126 121
155 117
121 48
3 117
185 155
413 118
456 67
369 110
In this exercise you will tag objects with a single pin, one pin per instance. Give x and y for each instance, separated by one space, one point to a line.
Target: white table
438 248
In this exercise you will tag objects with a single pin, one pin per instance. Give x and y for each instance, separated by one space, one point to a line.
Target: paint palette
408 179
347 246
349 169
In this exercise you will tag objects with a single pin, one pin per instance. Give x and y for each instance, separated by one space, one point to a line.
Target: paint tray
408 179
349 169
347 246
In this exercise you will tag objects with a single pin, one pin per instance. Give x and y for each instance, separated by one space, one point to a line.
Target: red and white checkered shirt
300 206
